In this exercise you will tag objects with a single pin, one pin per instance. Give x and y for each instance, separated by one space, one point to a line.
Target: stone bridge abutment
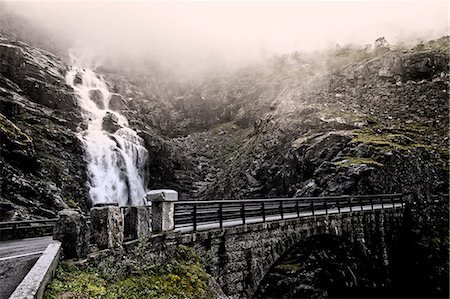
239 257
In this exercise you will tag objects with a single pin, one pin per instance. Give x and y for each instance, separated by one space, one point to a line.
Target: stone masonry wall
239 257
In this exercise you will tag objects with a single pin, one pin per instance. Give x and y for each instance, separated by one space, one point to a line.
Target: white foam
117 162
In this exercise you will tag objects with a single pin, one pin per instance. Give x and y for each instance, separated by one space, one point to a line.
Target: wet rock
78 80
117 102
16 145
72 230
97 97
38 73
110 123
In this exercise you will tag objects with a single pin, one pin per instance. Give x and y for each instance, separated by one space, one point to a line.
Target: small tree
381 45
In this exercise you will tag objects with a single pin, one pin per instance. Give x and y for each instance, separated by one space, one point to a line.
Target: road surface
17 257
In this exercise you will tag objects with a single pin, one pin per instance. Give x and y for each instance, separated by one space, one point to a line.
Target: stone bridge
239 257
238 240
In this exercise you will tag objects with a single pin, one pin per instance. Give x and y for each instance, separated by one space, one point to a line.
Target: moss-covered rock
182 276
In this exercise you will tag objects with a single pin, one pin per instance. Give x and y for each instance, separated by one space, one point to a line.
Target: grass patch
349 161
70 202
183 276
290 267
385 140
12 132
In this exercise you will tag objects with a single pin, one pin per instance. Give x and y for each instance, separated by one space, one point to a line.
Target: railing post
393 201
382 203
243 212
281 209
297 209
137 222
73 231
263 211
107 225
350 203
163 209
194 217
361 204
338 205
220 216
325 204
312 207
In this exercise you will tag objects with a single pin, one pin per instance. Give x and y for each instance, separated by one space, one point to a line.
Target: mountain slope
287 126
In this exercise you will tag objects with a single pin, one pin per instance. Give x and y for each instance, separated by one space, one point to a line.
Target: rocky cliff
42 166
289 126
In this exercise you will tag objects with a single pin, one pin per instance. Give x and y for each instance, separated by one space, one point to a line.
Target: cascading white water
116 157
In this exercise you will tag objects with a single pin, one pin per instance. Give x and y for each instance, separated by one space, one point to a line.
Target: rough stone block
162 209
73 232
138 222
107 226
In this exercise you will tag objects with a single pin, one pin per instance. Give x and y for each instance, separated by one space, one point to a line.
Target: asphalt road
17 257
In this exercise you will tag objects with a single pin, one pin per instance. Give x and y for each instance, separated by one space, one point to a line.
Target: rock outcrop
42 163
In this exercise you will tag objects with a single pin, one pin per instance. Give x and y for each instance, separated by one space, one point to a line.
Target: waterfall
115 154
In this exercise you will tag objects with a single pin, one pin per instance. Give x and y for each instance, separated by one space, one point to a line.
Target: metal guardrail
195 213
26 228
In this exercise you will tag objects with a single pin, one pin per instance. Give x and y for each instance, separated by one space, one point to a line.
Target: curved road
17 257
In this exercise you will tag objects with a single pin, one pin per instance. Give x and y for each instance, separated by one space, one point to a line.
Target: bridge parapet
239 257
107 226
162 209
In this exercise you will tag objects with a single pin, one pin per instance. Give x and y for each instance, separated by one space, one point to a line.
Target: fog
201 33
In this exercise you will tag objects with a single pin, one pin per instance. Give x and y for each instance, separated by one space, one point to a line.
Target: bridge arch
240 257
323 265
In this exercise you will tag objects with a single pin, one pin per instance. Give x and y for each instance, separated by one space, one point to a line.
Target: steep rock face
378 125
38 73
356 131
41 158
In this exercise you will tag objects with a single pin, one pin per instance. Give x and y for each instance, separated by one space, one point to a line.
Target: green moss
183 276
349 161
299 141
290 267
71 282
70 202
385 140
12 132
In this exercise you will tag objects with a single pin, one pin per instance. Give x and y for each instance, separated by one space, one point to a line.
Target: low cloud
202 34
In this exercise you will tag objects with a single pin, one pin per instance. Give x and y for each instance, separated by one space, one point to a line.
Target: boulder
97 97
73 232
116 102
110 123
107 226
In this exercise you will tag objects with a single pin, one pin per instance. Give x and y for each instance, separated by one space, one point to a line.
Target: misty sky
233 30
